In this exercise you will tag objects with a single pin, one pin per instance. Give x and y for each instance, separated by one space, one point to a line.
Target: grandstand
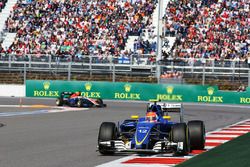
204 37
215 29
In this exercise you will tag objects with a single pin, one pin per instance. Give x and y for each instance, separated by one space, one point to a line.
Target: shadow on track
1 125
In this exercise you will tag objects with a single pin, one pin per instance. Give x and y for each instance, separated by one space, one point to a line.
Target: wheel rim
79 103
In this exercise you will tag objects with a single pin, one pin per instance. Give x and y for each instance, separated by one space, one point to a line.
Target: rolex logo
127 87
46 85
210 91
170 89
88 86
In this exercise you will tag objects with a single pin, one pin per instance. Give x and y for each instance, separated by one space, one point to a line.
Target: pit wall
137 91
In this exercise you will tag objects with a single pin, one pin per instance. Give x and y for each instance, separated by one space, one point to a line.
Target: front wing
159 147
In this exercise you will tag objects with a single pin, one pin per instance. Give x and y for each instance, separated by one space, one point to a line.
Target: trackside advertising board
137 91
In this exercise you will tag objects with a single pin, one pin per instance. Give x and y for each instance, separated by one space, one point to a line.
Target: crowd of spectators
146 42
2 4
172 75
215 29
76 27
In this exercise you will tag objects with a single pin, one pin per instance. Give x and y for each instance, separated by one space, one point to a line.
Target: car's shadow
1 125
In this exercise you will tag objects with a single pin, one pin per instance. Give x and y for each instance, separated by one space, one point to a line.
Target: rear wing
63 94
170 108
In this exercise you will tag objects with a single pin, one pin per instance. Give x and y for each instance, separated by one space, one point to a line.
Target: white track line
41 111
227 131
14 106
243 128
209 147
220 136
215 141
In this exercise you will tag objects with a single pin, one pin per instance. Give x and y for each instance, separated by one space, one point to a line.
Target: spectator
2 4
171 75
241 88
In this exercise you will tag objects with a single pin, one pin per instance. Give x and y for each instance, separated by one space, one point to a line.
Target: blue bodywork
73 102
154 133
144 134
78 101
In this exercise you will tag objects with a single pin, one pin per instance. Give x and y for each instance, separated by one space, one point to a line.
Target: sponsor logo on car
141 135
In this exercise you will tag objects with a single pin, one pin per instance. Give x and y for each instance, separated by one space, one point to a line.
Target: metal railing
143 65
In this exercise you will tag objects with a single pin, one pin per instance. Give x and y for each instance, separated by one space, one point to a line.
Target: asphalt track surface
68 139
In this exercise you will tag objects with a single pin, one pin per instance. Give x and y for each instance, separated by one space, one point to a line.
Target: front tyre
197 134
107 132
100 103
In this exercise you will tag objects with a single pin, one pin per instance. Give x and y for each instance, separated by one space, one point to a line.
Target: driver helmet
151 116
78 93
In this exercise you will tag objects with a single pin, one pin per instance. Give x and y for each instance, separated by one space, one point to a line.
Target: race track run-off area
40 134
213 139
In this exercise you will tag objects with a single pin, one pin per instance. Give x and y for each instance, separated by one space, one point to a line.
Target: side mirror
167 117
134 116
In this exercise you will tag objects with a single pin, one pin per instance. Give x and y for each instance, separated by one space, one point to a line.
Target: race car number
143 130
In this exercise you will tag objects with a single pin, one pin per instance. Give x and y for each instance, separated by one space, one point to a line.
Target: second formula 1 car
76 100
153 133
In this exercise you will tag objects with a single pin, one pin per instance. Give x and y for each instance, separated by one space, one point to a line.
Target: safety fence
201 70
137 91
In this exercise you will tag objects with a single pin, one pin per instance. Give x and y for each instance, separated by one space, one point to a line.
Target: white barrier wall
12 90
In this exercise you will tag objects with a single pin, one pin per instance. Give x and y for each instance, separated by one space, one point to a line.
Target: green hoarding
137 91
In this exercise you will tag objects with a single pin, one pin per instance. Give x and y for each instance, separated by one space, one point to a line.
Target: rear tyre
179 133
107 132
197 134
59 101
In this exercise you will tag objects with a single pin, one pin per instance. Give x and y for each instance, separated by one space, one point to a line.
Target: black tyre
99 101
86 103
197 134
79 103
179 133
107 132
59 101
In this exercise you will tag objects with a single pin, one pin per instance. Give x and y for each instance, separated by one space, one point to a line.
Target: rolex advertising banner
136 91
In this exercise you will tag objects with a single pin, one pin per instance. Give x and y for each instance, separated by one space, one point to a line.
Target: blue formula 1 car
153 133
78 100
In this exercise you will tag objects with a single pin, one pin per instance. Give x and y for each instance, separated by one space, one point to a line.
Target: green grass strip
235 153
